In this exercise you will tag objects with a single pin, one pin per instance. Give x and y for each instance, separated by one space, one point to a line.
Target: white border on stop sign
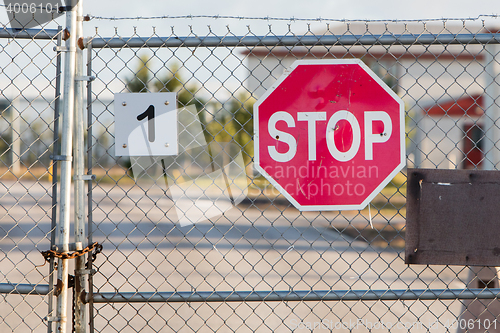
382 184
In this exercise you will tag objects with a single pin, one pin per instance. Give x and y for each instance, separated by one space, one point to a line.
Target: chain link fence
200 241
29 94
309 270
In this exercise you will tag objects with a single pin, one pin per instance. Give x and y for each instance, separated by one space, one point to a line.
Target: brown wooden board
453 217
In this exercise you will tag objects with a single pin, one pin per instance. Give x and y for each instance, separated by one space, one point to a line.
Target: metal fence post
55 180
491 156
491 108
79 156
66 159
89 186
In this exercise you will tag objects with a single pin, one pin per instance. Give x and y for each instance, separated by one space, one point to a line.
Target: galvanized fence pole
55 175
89 187
491 130
491 107
66 159
79 179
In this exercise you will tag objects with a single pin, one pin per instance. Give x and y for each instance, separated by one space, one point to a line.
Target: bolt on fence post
79 158
66 150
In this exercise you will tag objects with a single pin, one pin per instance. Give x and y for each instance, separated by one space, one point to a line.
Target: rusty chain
65 255
97 249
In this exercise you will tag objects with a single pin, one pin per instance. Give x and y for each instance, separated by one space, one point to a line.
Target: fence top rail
29 33
252 41
297 40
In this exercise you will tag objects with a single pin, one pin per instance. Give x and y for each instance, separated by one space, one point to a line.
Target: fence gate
187 249
29 105
198 241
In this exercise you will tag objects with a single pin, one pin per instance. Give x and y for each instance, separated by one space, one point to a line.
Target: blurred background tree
234 123
145 80
142 77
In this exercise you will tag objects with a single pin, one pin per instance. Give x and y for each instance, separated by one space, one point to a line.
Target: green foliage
173 82
147 81
142 78
234 122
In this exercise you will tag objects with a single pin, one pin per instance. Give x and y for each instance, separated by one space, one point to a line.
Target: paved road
249 247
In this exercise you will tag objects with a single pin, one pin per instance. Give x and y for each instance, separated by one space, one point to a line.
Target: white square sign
146 124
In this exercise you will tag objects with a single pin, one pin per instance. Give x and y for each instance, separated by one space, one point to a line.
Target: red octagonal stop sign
329 135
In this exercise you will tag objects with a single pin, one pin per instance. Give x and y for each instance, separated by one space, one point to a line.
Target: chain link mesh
28 80
153 242
263 243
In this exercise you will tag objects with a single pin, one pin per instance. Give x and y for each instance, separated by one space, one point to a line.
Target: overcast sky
339 9
328 9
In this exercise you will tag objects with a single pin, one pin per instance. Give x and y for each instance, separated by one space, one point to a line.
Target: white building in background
442 86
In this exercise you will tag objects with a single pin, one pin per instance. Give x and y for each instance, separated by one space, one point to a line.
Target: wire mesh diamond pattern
28 99
200 241
262 243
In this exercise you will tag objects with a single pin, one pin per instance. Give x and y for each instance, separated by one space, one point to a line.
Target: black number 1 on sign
150 113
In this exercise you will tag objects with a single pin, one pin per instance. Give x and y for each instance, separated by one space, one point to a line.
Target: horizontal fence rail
298 296
262 296
24 289
272 41
47 34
